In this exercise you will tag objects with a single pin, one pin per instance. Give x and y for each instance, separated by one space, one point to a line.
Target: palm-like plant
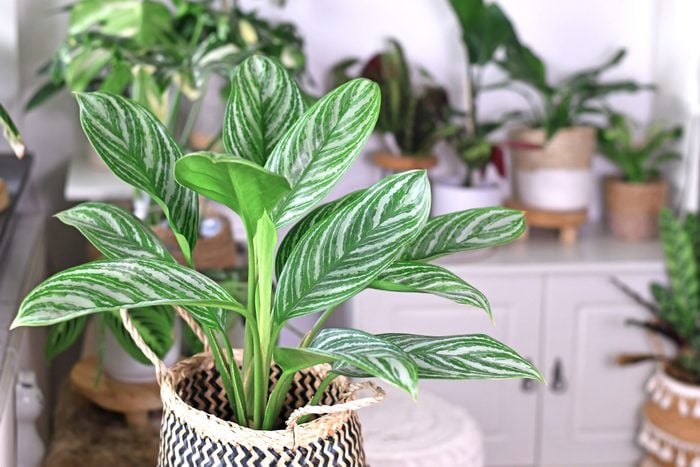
281 160
676 306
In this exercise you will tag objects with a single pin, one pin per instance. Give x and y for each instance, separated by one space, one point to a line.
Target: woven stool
429 433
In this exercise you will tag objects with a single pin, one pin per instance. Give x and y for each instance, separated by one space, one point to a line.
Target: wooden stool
566 222
4 196
134 400
399 163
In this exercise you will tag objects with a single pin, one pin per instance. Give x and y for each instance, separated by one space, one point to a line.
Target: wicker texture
195 430
569 148
633 208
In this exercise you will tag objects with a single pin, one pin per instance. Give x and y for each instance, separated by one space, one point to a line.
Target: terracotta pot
633 208
399 163
216 252
553 175
670 430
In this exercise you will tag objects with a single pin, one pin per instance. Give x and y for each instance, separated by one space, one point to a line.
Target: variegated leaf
62 335
341 255
155 326
466 230
138 149
359 354
116 233
413 276
474 356
263 105
110 285
308 221
11 133
322 145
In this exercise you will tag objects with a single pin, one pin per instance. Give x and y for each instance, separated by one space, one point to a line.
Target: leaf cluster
281 159
640 161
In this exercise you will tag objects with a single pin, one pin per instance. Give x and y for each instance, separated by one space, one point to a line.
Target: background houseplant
378 237
634 199
413 117
485 31
14 139
552 155
671 424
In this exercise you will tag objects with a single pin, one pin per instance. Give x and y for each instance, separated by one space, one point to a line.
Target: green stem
276 400
319 393
191 119
237 379
174 111
233 393
259 385
317 327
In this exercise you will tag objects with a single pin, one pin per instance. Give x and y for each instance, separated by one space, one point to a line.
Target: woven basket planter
633 208
670 430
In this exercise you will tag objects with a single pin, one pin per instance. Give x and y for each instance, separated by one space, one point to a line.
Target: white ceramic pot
119 365
449 197
554 174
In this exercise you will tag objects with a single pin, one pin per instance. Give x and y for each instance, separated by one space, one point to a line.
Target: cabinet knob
559 383
526 384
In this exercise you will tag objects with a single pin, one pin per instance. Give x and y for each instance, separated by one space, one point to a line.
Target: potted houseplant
412 118
670 429
14 139
217 402
635 198
552 155
485 32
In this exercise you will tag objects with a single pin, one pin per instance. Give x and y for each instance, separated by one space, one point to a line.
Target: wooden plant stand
398 163
4 196
566 222
134 400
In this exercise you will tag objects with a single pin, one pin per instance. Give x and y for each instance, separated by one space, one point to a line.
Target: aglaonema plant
281 160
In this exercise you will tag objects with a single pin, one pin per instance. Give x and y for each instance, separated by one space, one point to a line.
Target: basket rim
218 429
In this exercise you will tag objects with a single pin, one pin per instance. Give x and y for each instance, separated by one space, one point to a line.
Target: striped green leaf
11 133
412 276
245 187
62 335
138 149
308 221
322 145
474 356
359 354
466 230
263 105
116 233
344 253
154 324
111 285
680 263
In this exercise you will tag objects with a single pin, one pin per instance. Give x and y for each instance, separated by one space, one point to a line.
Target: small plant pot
449 198
196 429
216 252
400 163
121 366
553 175
670 430
633 208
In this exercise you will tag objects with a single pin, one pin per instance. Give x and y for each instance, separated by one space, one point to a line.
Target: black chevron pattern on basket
182 446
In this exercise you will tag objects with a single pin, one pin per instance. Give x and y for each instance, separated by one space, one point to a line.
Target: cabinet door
591 409
505 410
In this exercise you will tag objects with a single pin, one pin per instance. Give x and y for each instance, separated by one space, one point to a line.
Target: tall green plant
279 164
570 102
413 118
11 133
675 309
639 160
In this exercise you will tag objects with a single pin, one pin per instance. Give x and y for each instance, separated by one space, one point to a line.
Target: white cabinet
563 313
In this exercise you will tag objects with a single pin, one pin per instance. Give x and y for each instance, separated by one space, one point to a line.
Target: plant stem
237 379
319 393
317 327
191 119
174 110
276 400
233 393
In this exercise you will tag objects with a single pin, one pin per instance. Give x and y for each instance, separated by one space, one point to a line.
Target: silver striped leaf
115 233
322 145
154 324
359 354
466 230
62 335
128 283
308 221
139 150
263 105
413 276
473 356
344 253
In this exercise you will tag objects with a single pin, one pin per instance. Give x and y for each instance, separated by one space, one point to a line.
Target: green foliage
414 117
640 161
378 237
571 101
675 307
11 133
